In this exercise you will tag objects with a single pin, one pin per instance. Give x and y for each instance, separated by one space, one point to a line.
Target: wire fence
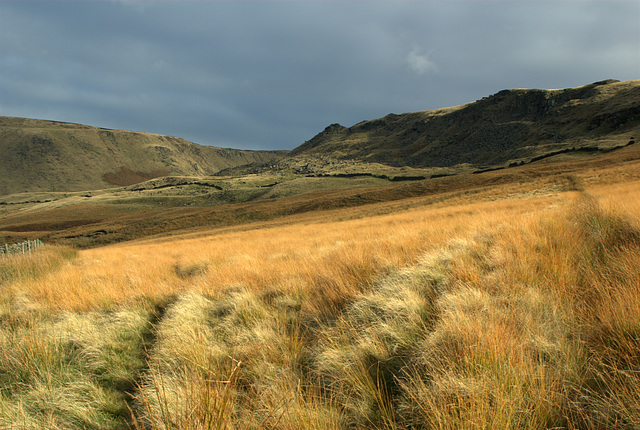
20 248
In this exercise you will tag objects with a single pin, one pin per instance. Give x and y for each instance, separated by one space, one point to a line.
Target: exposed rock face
510 125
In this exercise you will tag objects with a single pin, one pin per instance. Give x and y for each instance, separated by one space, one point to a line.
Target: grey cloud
419 62
272 74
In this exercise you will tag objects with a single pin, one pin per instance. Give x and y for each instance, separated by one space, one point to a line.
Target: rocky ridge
510 127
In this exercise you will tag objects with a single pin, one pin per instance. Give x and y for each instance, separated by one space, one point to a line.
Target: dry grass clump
111 345
608 304
431 349
492 361
363 352
64 370
536 327
258 260
232 361
580 266
331 260
21 267
68 371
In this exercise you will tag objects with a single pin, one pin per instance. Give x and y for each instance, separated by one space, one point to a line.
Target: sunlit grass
331 260
509 313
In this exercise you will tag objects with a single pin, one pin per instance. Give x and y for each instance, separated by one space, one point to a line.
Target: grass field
507 304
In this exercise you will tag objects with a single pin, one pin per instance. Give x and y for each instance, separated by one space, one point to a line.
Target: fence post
27 246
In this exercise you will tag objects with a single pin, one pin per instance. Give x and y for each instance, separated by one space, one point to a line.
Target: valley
343 285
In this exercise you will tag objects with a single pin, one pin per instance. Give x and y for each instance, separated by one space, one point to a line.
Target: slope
37 155
508 128
170 205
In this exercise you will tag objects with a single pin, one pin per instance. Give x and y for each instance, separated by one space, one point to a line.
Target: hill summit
510 127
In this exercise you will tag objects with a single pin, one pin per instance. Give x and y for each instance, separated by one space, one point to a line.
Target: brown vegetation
497 306
506 299
126 176
97 218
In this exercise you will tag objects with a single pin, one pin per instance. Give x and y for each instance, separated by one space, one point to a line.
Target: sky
272 74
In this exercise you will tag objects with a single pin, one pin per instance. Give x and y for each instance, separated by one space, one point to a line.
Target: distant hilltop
37 155
509 128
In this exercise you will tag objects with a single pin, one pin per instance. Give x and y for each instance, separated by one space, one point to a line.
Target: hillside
501 300
37 155
316 292
511 127
170 205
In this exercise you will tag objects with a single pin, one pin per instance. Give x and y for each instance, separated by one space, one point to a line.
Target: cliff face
38 155
509 126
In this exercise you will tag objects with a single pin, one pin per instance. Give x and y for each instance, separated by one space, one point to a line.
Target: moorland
471 267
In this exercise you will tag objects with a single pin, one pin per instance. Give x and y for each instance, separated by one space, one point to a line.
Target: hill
334 294
38 155
509 128
512 127
505 300
172 205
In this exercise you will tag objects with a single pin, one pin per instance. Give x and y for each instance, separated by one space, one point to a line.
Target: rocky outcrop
330 132
498 130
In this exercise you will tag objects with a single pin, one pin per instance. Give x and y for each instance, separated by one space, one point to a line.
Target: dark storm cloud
272 74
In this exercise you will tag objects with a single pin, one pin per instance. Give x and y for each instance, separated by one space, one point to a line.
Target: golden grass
332 259
509 313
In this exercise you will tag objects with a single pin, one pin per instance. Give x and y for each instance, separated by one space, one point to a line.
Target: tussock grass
362 355
609 304
233 361
516 313
68 371
499 361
